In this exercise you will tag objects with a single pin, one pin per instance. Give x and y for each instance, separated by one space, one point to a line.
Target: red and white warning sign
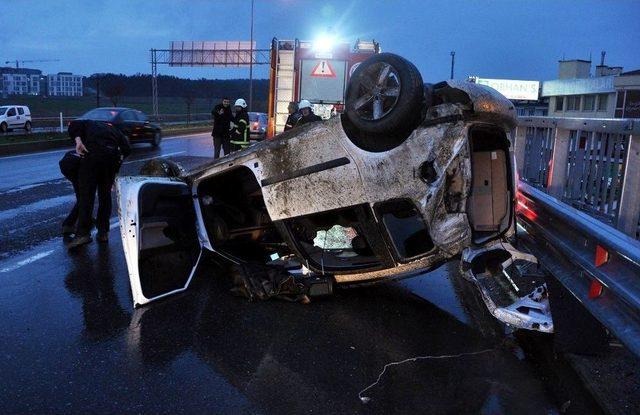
323 70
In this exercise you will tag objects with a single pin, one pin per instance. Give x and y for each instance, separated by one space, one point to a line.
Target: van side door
12 115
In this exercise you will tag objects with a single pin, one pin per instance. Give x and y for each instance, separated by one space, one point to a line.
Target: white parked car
14 116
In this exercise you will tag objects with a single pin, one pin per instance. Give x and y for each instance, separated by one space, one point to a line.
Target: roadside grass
169 130
41 106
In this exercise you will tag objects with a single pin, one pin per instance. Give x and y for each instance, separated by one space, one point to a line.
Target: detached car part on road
407 178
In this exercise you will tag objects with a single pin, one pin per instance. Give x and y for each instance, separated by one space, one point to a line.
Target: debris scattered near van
282 281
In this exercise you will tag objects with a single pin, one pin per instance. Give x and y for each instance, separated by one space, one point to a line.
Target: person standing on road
240 127
102 147
69 166
294 116
221 125
307 114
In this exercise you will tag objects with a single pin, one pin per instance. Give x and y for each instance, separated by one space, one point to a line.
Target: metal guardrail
597 263
592 164
56 124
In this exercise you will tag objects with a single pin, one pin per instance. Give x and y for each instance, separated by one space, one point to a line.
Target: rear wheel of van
4 127
384 102
27 126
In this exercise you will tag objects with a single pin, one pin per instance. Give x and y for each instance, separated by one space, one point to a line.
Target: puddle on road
436 288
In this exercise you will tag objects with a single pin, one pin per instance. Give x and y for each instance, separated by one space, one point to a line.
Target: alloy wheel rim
378 92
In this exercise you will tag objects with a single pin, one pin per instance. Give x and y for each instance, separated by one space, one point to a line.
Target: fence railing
591 164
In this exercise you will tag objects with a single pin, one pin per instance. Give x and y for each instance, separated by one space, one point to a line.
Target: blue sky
498 39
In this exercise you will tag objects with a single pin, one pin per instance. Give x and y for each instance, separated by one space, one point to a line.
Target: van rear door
159 235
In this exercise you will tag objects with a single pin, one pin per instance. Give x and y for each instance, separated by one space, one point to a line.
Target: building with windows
609 93
20 81
64 84
627 86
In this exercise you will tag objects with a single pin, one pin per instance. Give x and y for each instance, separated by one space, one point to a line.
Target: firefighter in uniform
240 126
306 113
102 147
294 116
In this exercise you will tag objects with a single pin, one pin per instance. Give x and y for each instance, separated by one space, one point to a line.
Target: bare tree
114 92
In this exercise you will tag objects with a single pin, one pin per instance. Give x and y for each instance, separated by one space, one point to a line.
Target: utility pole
453 62
251 62
98 91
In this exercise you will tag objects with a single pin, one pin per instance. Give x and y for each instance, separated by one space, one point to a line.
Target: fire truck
316 71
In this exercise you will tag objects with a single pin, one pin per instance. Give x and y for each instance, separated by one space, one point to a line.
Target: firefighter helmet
304 104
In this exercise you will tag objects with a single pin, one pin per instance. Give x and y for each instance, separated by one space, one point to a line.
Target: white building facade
610 93
64 84
20 81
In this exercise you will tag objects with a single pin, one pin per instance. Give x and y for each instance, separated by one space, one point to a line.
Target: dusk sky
497 39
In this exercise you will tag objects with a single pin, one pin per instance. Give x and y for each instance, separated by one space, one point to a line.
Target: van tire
384 102
27 126
4 127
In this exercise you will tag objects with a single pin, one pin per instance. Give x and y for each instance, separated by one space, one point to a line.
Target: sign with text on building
513 89
323 80
578 86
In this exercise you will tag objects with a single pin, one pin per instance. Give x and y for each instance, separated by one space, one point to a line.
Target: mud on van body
407 178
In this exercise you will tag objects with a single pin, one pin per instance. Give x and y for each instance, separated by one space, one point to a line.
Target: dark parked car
133 123
257 125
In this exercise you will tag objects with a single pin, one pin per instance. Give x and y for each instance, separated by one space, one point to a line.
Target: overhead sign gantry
235 54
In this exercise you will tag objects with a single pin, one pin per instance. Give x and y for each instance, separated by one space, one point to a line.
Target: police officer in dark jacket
221 124
102 147
240 130
294 116
307 114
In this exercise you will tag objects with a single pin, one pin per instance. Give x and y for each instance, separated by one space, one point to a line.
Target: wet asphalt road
72 343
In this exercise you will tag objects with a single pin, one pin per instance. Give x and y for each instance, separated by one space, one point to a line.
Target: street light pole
251 62
453 60
98 91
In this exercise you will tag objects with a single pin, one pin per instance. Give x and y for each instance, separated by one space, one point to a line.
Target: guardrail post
520 142
558 173
61 126
629 211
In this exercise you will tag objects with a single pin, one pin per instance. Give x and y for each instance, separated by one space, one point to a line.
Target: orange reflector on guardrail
595 290
602 256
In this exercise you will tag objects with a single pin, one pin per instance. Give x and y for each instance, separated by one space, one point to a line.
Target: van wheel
4 128
27 126
156 139
384 102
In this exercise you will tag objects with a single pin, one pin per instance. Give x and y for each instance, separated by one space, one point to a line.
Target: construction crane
18 62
